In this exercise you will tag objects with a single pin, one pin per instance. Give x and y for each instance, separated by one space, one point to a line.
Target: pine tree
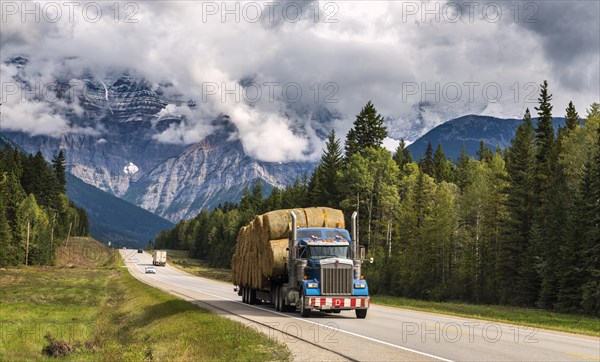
544 240
572 118
594 111
517 230
315 189
59 166
427 162
461 168
329 168
402 155
441 166
368 131
5 235
590 190
12 193
544 140
484 153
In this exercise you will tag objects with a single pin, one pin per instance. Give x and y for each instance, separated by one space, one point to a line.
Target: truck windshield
324 252
336 234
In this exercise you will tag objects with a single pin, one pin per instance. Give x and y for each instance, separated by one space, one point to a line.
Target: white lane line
322 325
449 318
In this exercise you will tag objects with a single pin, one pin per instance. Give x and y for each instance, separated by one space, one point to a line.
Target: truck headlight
359 285
312 285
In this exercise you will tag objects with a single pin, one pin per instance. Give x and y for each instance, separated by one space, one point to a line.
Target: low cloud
339 54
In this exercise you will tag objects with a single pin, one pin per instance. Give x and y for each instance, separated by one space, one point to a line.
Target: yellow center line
583 356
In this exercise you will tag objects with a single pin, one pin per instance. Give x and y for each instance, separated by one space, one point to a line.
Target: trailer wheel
251 296
285 307
304 312
277 299
244 295
361 313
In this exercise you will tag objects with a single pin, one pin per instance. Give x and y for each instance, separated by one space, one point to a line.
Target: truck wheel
251 296
361 313
277 299
337 311
284 306
244 295
304 312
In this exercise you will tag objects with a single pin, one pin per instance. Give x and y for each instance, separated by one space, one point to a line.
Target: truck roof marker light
362 278
338 225
305 277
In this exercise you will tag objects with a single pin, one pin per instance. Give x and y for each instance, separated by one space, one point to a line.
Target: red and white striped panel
339 302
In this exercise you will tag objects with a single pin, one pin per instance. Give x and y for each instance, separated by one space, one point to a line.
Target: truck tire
244 295
251 296
361 313
284 306
277 296
304 312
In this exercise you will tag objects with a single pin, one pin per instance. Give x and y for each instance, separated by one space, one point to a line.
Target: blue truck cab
326 263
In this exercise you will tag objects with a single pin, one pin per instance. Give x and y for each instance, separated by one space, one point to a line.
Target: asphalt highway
387 334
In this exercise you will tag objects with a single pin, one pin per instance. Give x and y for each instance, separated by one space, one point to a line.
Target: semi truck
159 257
321 272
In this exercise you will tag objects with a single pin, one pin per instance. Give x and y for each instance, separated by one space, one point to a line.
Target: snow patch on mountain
130 169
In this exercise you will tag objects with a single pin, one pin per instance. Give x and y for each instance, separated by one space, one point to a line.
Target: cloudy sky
297 58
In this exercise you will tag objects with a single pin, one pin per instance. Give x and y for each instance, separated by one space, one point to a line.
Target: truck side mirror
301 252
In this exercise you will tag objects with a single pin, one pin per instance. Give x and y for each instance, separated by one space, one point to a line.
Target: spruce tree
544 140
461 168
545 177
519 207
441 166
402 155
572 118
427 162
5 234
59 166
329 168
484 153
368 131
590 230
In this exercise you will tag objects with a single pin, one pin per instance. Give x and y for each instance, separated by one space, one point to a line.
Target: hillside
112 219
468 131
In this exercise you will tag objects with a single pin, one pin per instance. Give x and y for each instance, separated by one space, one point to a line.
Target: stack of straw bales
261 249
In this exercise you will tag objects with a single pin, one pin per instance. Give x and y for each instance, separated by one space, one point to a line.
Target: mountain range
468 131
122 159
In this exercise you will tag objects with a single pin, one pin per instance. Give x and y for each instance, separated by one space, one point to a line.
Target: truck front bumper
333 302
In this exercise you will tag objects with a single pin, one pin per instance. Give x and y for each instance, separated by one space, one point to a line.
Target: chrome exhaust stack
355 250
292 247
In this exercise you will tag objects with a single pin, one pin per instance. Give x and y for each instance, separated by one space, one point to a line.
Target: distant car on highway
150 270
140 251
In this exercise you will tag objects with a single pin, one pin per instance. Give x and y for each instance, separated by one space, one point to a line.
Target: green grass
107 314
180 260
35 301
522 316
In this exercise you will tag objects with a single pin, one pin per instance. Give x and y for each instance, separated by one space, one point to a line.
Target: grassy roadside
180 260
523 316
106 314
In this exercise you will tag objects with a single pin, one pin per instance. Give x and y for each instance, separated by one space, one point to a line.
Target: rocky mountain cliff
122 115
122 156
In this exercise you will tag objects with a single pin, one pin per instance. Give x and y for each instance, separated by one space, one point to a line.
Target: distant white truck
159 257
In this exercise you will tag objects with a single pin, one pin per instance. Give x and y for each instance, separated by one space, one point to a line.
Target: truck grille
336 280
